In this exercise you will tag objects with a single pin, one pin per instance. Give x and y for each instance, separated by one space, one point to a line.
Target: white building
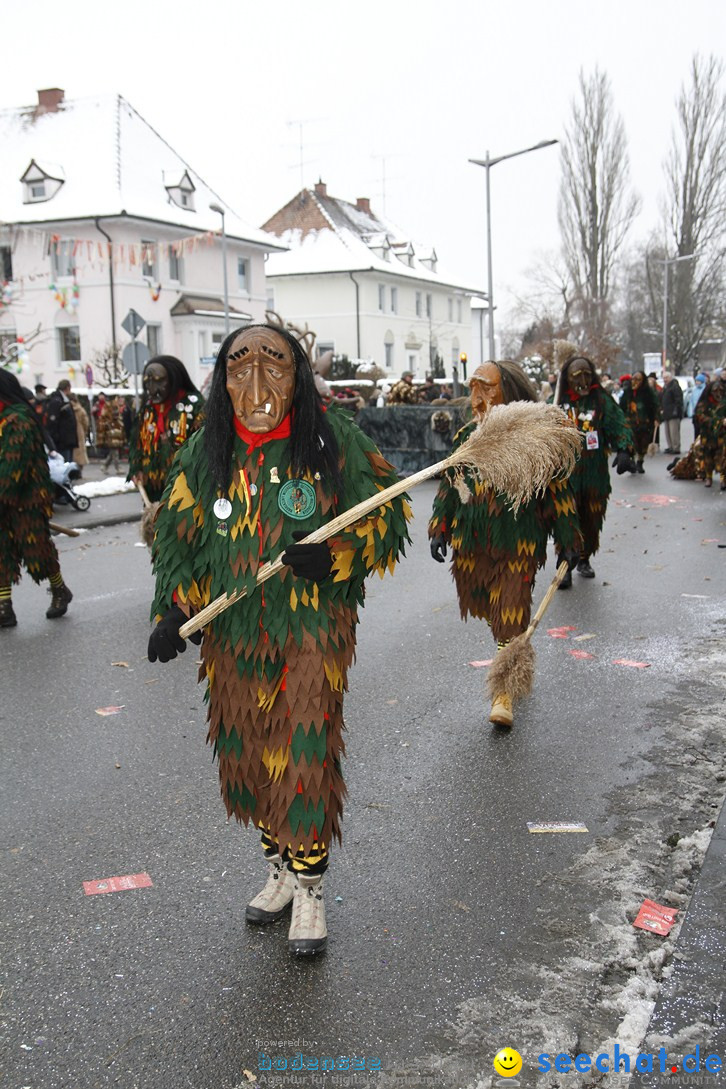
363 287
99 215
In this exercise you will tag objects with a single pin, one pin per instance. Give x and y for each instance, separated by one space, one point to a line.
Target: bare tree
696 204
108 367
597 205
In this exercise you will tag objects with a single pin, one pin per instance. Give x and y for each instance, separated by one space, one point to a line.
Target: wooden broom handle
143 493
62 529
347 518
545 602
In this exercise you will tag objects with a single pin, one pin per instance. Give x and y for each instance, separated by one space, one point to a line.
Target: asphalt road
453 930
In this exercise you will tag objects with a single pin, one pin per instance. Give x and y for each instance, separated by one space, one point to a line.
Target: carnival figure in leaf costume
604 428
26 504
171 410
495 553
640 407
269 466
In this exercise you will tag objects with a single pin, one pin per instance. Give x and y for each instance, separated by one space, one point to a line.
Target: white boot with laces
270 904
308 932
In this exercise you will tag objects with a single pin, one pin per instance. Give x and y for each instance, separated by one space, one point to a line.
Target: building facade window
382 297
243 274
451 309
429 306
153 338
175 266
458 311
217 339
61 259
69 344
6 264
418 304
324 346
270 300
394 300
148 258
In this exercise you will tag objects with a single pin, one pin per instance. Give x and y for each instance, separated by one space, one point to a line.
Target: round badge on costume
180 406
297 499
222 509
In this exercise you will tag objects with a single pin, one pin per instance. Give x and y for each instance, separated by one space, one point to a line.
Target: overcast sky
408 90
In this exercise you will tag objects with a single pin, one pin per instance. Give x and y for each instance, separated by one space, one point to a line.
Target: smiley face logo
507 1062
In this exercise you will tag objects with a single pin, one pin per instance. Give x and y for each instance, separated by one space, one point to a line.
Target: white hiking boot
278 892
308 932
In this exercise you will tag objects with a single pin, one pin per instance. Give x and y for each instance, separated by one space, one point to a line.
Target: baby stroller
63 473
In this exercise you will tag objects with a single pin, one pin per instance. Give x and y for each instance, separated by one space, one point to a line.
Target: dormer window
181 191
40 184
430 261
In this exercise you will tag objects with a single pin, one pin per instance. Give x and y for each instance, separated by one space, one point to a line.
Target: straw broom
146 528
651 451
518 447
512 671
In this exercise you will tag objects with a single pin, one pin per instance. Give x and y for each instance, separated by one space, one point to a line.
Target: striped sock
6 593
56 580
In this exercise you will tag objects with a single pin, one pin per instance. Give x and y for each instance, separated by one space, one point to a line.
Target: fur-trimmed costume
604 429
26 502
495 554
276 662
157 434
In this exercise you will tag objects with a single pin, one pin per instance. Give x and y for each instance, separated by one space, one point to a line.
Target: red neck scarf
282 431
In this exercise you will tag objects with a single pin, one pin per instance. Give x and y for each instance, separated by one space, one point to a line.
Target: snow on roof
356 241
112 163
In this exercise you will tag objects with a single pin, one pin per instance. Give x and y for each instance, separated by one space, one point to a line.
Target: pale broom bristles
512 671
147 525
520 448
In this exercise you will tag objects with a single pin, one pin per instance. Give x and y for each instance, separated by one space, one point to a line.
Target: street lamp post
488 163
666 262
220 210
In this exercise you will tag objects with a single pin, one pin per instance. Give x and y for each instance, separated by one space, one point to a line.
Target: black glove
165 642
308 561
571 555
438 547
624 463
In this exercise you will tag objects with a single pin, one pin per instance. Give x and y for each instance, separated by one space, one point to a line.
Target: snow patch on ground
112 485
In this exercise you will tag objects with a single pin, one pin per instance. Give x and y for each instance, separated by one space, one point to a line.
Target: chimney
49 100
363 204
321 189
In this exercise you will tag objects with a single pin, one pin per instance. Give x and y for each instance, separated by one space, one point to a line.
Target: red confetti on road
580 654
658 500
110 710
480 665
560 633
118 884
631 663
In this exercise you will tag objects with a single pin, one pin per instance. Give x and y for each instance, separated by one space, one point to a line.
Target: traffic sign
135 356
133 323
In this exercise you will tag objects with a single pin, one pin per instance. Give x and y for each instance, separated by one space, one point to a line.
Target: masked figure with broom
640 406
270 465
26 504
496 552
604 428
171 410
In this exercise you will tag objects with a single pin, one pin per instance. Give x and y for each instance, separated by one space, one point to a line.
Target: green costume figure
495 553
171 410
26 504
640 407
271 465
711 414
604 428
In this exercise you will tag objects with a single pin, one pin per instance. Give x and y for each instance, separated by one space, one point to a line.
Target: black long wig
313 445
180 380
